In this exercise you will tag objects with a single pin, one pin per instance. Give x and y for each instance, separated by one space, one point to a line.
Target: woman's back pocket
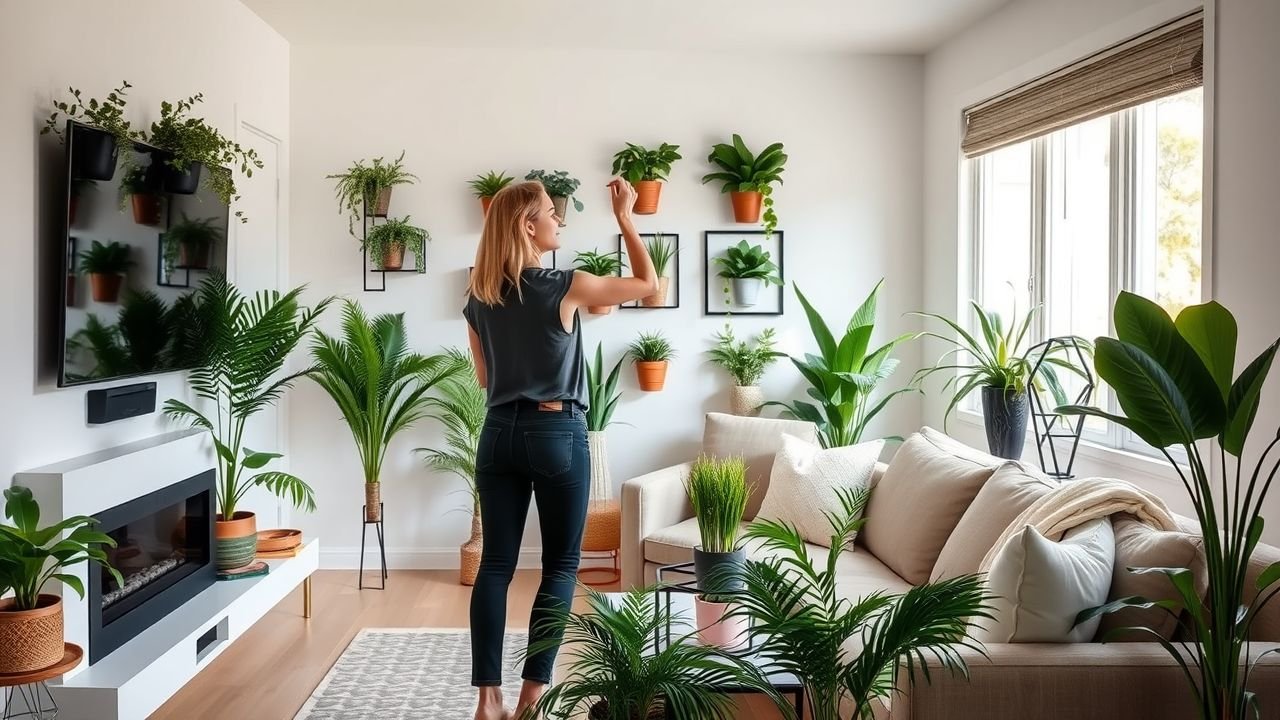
550 451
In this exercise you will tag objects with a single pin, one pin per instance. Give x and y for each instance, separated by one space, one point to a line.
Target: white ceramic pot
746 291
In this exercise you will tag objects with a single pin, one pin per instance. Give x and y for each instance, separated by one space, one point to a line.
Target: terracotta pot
471 552
30 639
561 204
146 208
105 287
382 203
373 502
485 202
392 258
236 539
647 194
745 400
652 375
599 309
714 628
193 255
658 299
746 206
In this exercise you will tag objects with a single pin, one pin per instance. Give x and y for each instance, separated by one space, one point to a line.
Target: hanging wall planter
106 266
748 178
652 353
560 187
1004 414
180 181
601 265
387 244
98 133
746 291
95 154
195 239
646 170
746 268
366 189
648 194
487 185
746 206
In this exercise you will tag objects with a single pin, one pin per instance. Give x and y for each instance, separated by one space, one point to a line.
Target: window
1069 219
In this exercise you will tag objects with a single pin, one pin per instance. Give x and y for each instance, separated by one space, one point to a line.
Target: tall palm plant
379 385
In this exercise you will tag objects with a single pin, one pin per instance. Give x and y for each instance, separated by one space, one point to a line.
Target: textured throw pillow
805 479
927 486
1013 487
1139 545
755 440
1040 585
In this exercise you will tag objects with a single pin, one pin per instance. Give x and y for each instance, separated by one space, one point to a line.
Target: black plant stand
1049 425
382 546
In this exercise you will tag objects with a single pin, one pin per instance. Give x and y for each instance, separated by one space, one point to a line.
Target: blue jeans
525 452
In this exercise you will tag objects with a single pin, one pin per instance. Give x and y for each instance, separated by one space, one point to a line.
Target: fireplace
164 551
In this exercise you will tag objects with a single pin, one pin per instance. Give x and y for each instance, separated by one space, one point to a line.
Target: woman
526 339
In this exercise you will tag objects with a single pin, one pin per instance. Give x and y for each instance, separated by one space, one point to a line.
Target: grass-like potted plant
646 170
652 353
106 266
461 407
601 265
561 187
604 514
365 190
387 244
487 185
139 189
748 178
31 556
661 252
247 342
718 492
193 239
103 133
745 269
378 384
746 364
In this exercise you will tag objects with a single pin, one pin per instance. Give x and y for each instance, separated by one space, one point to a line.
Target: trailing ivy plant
558 184
636 163
357 189
106 115
399 233
488 185
742 171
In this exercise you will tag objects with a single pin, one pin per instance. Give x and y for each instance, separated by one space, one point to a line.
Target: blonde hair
506 247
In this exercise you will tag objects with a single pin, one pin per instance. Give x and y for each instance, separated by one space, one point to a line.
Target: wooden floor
270 672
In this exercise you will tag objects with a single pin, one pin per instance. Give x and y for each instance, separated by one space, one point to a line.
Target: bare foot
490 707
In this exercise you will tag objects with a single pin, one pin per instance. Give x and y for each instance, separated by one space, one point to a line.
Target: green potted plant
561 188
187 143
718 492
1174 382
601 265
100 137
106 266
192 239
651 352
138 189
387 243
746 364
379 386
247 342
844 375
661 252
748 178
602 400
487 185
31 622
143 338
745 269
646 170
461 408
365 190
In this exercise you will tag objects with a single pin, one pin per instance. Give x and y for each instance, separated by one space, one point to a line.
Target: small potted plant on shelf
646 170
601 265
139 190
365 190
487 185
661 252
31 622
193 240
652 353
103 133
748 179
106 266
718 492
387 243
745 269
746 364
560 187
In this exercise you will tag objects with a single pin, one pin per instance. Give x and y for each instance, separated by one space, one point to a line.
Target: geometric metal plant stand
1049 425
382 548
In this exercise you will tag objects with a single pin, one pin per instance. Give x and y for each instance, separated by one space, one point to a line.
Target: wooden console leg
306 597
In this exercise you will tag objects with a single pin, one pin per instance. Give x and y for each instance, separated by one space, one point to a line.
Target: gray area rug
406 674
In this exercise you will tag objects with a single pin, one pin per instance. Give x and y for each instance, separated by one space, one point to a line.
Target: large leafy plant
746 262
398 233
742 171
357 189
558 183
602 392
636 162
460 407
718 491
746 363
1174 382
248 342
843 377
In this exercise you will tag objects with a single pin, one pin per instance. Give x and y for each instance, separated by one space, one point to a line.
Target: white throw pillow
1041 585
805 479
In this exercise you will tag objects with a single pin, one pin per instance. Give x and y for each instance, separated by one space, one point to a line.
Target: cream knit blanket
1078 501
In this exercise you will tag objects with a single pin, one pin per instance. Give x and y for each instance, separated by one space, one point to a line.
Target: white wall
850 210
167 50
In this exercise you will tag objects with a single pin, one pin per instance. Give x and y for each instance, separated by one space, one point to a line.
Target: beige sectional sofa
919 513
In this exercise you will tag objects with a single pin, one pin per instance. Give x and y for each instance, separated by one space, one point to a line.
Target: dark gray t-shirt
527 352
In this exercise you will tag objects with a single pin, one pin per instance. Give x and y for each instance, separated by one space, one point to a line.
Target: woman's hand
623 197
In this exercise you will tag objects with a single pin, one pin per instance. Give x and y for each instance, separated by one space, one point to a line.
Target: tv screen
141 235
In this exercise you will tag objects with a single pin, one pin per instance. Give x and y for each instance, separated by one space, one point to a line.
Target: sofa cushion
755 440
925 490
1139 545
805 483
1012 488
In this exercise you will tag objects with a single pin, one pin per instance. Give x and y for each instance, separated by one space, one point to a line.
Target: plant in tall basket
746 364
1173 380
379 385
718 492
365 190
646 170
487 185
749 179
106 266
247 342
601 265
745 269
661 251
652 353
98 140
193 239
387 244
561 187
31 622
604 516
461 408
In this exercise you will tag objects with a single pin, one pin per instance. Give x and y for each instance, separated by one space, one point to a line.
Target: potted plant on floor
745 269
139 190
380 387
601 265
461 408
193 239
646 170
652 353
31 622
718 492
604 514
746 364
387 244
561 188
106 266
661 251
487 185
748 179
247 342
366 189
98 141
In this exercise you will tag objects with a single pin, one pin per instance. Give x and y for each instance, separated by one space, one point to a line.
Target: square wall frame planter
770 300
672 276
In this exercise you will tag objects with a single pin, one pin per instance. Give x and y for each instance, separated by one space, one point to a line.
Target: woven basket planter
236 539
745 400
373 502
30 640
471 551
603 531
